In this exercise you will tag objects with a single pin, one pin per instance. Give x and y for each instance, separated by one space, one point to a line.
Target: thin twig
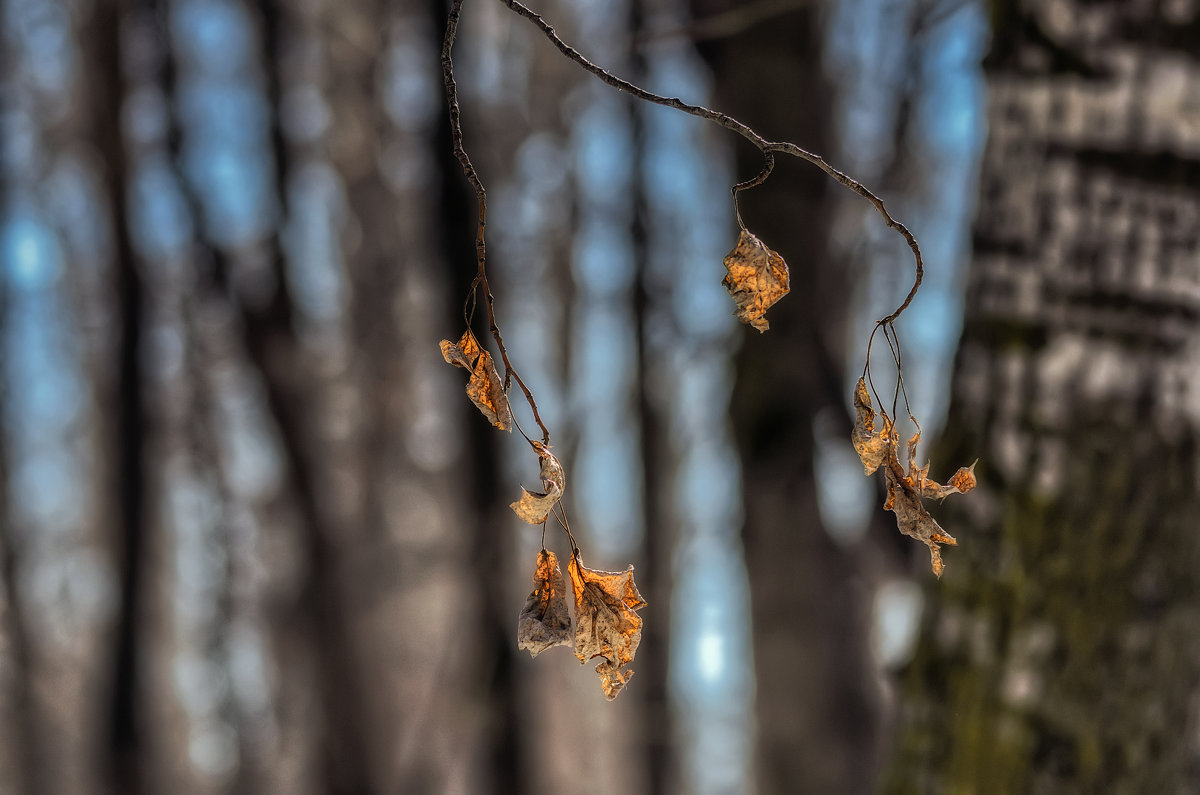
510 372
894 344
760 178
732 124
867 367
560 513
900 374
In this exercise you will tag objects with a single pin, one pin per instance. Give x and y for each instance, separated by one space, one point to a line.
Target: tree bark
1060 651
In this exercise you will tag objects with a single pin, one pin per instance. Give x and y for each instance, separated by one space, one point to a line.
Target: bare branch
732 124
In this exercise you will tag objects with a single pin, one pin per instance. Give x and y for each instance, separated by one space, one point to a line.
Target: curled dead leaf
919 481
485 391
757 277
871 446
606 625
534 507
912 518
963 480
905 489
464 353
545 620
483 387
913 441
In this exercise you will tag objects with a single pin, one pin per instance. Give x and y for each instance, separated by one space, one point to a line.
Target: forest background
255 538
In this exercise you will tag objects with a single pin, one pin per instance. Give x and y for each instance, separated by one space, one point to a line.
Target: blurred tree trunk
356 50
816 716
315 632
127 766
659 463
1060 651
23 758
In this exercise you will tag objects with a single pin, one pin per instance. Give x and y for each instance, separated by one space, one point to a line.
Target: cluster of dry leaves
757 278
878 448
605 604
606 624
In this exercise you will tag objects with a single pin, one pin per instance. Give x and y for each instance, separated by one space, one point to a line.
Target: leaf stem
560 513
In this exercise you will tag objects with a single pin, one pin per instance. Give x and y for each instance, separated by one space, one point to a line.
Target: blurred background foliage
255 539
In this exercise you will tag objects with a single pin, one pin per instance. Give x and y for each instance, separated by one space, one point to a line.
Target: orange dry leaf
486 392
534 507
545 621
911 449
484 387
870 445
918 477
912 518
606 625
464 353
905 489
963 480
757 278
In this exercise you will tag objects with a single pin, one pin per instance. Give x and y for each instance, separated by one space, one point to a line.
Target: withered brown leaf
483 387
534 507
919 481
462 354
960 483
913 442
905 489
963 480
757 277
606 625
912 518
545 620
871 445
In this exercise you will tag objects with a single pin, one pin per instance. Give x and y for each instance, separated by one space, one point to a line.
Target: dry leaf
484 387
962 482
485 391
534 507
606 625
912 518
913 441
919 481
464 353
964 479
871 446
545 620
757 278
905 489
